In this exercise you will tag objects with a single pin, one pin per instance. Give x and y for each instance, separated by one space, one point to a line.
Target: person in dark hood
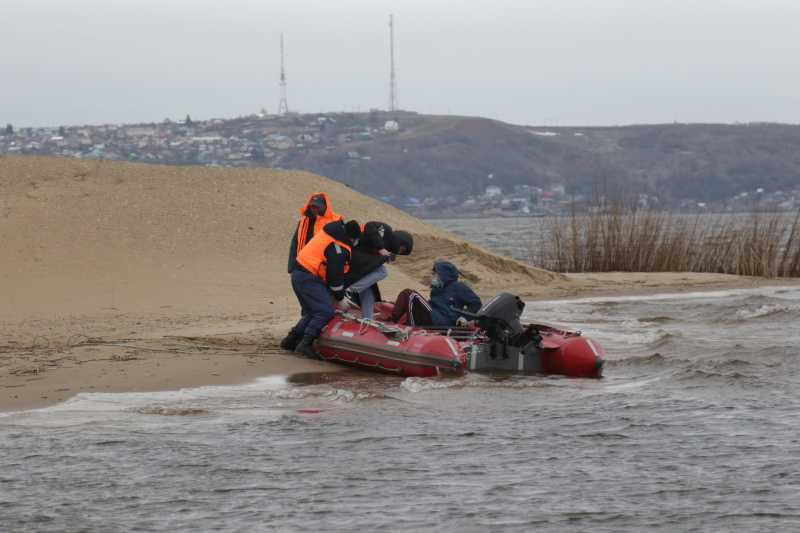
447 293
378 244
314 215
318 279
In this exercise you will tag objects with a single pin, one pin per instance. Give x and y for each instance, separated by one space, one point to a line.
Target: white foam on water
766 310
107 407
637 324
778 291
644 337
633 384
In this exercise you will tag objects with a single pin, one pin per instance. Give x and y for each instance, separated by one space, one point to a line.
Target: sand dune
106 265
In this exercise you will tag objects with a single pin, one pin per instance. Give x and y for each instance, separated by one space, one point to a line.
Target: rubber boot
305 347
291 341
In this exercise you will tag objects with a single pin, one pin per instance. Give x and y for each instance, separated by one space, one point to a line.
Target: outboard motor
499 318
512 346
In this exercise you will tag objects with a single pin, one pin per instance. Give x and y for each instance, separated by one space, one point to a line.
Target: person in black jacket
378 244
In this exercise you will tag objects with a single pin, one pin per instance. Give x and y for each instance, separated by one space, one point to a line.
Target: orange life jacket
312 256
302 227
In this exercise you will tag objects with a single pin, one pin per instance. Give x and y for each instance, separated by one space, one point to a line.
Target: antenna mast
392 80
283 107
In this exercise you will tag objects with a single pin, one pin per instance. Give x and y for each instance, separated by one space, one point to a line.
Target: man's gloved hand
343 306
461 322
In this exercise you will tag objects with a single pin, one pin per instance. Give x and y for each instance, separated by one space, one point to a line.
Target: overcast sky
536 62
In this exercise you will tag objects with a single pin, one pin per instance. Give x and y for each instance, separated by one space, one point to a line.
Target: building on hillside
493 190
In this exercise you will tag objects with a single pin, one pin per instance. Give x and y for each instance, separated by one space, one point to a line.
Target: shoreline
217 351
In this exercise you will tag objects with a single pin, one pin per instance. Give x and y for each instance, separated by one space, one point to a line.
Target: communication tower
283 107
392 80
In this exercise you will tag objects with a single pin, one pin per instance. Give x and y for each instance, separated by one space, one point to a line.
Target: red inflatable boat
497 341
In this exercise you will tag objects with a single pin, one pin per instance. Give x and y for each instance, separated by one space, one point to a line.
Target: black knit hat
353 229
404 238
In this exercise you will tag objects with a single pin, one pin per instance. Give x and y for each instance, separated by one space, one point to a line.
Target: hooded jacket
309 226
376 236
380 236
453 293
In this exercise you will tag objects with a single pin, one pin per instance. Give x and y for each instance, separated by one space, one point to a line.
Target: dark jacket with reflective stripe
327 255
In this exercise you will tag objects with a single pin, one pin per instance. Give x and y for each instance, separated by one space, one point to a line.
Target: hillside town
268 140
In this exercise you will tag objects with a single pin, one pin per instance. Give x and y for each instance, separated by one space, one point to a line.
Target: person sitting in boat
377 245
313 216
446 293
319 273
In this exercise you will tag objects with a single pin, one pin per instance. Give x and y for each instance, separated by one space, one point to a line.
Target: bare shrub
619 238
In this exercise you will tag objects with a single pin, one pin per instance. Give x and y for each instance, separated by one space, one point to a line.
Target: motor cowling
499 318
502 310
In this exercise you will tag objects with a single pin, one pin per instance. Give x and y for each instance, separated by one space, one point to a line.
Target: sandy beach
121 277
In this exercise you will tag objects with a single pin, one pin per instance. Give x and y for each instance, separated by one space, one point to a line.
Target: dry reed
620 239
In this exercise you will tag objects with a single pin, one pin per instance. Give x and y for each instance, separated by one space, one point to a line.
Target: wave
606 300
763 310
270 396
655 362
643 382
656 320
706 375
743 373
653 337
346 396
641 360
166 411
478 381
681 373
650 360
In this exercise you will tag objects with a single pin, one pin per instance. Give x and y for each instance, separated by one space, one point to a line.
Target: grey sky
539 62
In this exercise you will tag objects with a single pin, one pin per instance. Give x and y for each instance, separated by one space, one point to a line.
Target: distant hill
707 162
439 156
395 156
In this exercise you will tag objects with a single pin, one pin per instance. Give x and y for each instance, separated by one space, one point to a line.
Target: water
694 428
532 240
518 238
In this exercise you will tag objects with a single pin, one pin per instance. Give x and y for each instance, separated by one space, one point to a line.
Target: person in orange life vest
314 214
318 275
378 244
